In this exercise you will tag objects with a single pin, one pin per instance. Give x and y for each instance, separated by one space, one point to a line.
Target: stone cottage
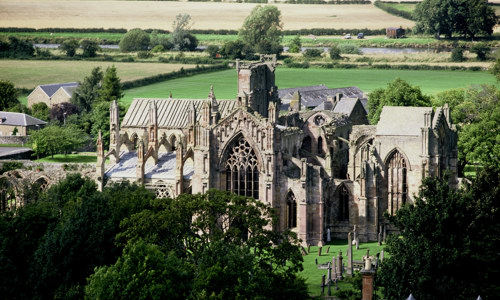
52 94
9 121
318 169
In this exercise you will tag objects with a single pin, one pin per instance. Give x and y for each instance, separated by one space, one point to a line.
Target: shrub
481 50
128 59
11 165
349 49
69 47
134 40
335 52
311 53
158 48
295 45
143 54
89 48
457 55
212 51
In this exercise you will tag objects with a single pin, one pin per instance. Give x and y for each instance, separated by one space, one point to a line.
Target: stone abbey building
320 170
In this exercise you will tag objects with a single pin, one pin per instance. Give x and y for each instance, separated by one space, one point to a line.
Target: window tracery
397 185
242 170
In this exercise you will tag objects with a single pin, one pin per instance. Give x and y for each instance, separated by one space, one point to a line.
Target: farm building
395 32
323 171
23 122
52 94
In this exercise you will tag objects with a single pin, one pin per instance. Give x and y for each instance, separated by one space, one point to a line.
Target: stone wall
20 140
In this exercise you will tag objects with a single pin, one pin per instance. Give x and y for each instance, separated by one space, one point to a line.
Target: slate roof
19 119
50 89
165 169
313 96
172 113
402 120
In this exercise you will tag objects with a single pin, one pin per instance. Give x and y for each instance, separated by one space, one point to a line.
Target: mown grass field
31 73
205 15
89 158
313 275
224 82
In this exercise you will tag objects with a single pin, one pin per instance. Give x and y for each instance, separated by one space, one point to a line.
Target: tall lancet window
397 185
291 211
242 173
343 200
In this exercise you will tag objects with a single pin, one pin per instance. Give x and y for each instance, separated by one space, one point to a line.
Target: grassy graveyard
313 275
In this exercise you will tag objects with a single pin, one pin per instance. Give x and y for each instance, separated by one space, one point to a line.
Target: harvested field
30 73
205 15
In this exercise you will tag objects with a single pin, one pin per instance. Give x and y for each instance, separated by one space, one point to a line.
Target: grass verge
69 158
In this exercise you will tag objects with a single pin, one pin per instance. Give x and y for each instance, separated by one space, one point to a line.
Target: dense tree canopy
397 93
476 111
111 86
88 91
262 29
134 40
8 95
54 139
69 47
447 247
466 17
180 38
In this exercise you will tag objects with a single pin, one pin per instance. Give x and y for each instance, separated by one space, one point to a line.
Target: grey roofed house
313 96
19 119
23 122
50 89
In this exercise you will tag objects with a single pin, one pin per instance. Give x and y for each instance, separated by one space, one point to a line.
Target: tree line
72 241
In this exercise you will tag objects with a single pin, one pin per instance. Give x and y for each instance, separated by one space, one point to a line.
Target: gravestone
381 256
328 237
303 251
308 248
357 243
328 249
323 284
319 251
329 273
339 264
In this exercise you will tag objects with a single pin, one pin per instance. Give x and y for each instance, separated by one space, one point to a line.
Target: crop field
224 82
205 15
31 73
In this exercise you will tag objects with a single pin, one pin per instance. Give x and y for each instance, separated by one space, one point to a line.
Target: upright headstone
381 256
355 231
319 250
323 284
339 264
335 276
349 255
357 243
379 239
384 235
308 248
316 261
328 237
329 273
328 249
303 250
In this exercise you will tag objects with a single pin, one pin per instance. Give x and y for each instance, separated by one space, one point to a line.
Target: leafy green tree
397 93
312 53
229 242
431 251
212 51
54 139
8 95
466 17
295 45
111 86
180 37
89 47
495 69
40 111
88 91
335 52
476 113
134 40
158 39
16 48
69 47
237 50
142 272
481 50
61 112
457 54
262 29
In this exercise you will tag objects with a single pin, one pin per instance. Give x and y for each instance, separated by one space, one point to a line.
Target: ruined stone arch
134 140
396 170
391 153
43 182
172 142
241 166
163 143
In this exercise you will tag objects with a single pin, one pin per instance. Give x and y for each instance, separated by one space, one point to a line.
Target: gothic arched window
343 198
306 144
397 185
242 173
291 211
320 146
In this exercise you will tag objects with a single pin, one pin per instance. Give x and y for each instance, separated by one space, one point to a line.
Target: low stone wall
19 140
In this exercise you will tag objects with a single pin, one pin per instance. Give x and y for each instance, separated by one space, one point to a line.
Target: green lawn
311 272
224 82
70 158
409 7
